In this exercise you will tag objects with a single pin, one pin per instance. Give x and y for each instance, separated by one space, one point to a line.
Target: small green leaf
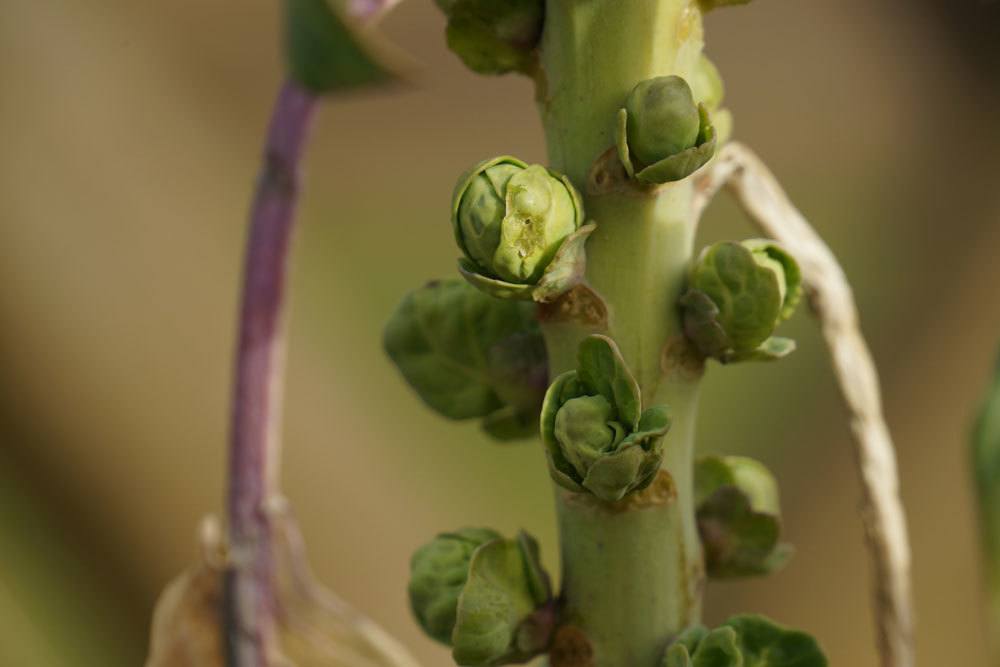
503 590
603 371
611 476
772 349
786 267
718 649
438 571
325 53
468 355
677 655
566 270
764 643
621 142
744 641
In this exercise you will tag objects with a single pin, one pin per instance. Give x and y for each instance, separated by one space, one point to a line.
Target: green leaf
744 641
772 349
791 274
566 270
468 355
603 372
613 475
718 649
325 53
764 643
438 571
504 587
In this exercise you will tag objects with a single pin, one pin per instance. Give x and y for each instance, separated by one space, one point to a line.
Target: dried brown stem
763 199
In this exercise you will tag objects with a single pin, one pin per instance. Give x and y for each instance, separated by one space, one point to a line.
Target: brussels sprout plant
582 321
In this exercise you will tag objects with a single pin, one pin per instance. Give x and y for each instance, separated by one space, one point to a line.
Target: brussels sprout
664 118
738 293
484 595
596 439
739 517
438 572
495 37
511 221
469 355
663 135
743 640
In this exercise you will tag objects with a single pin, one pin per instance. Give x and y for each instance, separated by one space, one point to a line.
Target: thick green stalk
632 572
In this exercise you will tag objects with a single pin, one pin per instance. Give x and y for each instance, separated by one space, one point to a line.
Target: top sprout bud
510 219
663 118
663 135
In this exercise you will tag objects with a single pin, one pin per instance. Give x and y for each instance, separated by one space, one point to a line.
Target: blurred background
131 134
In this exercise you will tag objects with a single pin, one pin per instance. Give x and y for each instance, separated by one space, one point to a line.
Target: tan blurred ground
130 135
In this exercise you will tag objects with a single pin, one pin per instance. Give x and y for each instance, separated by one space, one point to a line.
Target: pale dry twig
762 198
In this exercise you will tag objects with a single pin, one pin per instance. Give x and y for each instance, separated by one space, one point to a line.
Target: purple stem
254 447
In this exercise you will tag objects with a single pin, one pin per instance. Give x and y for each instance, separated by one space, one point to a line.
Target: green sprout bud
663 135
663 118
738 293
438 572
484 595
511 220
495 37
596 439
746 639
739 517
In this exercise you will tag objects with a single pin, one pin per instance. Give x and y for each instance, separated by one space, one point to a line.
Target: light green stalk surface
632 574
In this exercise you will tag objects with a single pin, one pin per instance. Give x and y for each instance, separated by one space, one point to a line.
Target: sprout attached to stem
517 224
737 294
596 439
663 136
485 596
